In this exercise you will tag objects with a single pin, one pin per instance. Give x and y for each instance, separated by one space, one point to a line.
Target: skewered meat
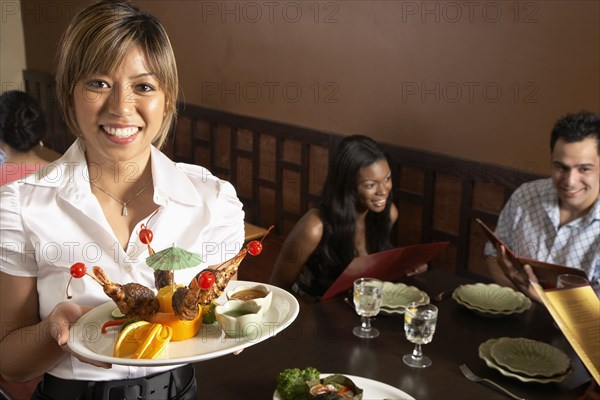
132 299
187 299
162 279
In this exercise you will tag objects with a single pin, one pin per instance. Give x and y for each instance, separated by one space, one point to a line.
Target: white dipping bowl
264 301
240 318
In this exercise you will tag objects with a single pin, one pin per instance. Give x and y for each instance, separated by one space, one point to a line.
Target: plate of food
88 341
307 383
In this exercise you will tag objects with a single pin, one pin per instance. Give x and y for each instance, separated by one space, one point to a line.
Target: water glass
367 297
569 280
419 326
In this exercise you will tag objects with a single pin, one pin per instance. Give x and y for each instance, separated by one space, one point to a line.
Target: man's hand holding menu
542 272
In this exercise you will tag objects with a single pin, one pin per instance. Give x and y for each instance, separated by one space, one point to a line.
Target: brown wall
480 80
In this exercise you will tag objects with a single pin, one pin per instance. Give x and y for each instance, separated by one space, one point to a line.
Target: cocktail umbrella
173 258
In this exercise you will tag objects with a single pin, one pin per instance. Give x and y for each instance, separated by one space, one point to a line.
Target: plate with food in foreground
367 389
87 340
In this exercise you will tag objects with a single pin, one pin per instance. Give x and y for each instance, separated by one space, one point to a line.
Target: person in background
355 217
556 219
117 86
22 127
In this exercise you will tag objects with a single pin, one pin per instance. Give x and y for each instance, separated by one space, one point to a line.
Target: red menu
387 265
545 272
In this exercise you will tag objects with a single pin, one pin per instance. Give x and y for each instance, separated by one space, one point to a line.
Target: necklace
124 203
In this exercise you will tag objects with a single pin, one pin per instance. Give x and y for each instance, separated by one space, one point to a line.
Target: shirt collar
70 175
170 182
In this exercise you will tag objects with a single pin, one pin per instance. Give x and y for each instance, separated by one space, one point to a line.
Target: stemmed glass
564 281
367 301
419 326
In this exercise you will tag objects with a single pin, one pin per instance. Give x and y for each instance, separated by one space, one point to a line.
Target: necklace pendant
124 211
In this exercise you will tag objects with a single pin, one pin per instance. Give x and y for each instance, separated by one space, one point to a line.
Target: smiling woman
117 85
354 218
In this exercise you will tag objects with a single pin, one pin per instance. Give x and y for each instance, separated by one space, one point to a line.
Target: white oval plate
372 390
87 341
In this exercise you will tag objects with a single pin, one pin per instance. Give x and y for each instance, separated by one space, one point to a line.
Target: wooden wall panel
291 191
245 140
267 207
476 260
409 223
446 208
488 197
202 130
222 148
245 180
183 145
267 158
292 151
202 156
318 166
412 180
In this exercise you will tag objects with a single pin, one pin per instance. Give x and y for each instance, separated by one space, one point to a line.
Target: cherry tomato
255 247
146 235
78 270
206 280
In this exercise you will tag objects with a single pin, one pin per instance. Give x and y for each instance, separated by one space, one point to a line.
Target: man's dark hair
576 127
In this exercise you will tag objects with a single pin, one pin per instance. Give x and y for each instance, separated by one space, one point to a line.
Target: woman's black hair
338 206
22 121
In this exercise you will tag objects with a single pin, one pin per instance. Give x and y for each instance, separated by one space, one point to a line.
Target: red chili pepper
112 322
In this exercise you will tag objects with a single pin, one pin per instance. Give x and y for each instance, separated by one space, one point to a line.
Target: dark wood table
322 337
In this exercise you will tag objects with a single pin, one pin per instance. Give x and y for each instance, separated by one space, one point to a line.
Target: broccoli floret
310 373
291 382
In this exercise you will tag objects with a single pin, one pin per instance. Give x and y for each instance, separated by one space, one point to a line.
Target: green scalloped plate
530 357
491 299
396 296
485 355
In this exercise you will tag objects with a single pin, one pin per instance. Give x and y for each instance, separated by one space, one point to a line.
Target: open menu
385 265
577 313
545 272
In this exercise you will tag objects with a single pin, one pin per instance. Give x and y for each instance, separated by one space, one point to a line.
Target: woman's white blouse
51 219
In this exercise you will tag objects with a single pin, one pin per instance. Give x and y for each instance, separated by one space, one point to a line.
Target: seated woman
22 127
354 218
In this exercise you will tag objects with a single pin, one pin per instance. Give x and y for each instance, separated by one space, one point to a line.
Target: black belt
173 384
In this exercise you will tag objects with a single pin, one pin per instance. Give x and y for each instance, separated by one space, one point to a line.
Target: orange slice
164 296
129 339
142 340
182 329
156 340
159 342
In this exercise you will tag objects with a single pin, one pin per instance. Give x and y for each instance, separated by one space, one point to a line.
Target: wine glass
419 326
367 300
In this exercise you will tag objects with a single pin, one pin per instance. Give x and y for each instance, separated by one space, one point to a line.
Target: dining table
321 337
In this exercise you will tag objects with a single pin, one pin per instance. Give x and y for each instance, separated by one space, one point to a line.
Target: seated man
557 219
